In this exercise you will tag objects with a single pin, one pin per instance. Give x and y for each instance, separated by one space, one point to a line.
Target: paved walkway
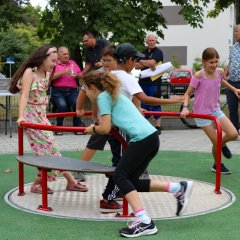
173 140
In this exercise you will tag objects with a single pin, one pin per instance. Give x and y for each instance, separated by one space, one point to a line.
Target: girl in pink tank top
206 85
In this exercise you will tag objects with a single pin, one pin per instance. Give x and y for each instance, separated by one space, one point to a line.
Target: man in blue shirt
151 86
94 49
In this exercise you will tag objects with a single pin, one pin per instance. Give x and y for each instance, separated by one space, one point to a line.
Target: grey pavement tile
182 140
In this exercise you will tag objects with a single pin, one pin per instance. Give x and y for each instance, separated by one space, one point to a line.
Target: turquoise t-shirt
125 116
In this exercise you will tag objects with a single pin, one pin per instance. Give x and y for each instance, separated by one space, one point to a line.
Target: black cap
126 50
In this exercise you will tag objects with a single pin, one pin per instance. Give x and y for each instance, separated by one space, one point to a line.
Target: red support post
44 206
218 156
20 165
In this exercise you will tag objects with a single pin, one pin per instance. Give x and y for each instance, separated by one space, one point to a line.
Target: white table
7 107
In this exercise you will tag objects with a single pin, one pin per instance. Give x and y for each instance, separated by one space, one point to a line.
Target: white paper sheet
159 69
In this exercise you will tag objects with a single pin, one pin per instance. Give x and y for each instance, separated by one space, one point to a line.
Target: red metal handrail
146 113
118 136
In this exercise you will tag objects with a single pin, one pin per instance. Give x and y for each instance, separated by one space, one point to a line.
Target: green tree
118 21
18 42
18 31
12 12
197 65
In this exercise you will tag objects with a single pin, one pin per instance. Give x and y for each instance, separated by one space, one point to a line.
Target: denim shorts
206 122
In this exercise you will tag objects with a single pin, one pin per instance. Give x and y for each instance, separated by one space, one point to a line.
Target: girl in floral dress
32 80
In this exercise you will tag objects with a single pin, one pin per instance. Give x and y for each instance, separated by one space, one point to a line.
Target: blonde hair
103 81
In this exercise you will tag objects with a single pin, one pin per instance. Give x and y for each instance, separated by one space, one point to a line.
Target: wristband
185 106
94 130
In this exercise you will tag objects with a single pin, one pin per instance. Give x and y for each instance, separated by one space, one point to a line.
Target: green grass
221 225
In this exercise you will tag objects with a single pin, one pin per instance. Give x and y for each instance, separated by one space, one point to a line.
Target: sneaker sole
187 196
147 232
118 199
103 210
80 179
225 173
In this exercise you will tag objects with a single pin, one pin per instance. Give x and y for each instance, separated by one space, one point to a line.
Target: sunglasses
86 40
107 60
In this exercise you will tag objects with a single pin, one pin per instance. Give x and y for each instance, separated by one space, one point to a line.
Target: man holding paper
151 85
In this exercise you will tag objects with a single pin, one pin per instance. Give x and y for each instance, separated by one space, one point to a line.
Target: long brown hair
209 53
103 81
33 61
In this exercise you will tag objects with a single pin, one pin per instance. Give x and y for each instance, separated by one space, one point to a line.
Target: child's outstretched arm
103 128
185 111
80 103
157 101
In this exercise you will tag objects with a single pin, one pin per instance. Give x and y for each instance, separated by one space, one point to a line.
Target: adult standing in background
151 86
64 90
232 74
94 49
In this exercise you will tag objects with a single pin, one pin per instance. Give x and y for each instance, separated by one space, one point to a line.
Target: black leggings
133 163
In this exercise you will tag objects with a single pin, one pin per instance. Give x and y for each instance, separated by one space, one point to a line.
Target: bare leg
158 122
134 200
230 132
211 133
88 154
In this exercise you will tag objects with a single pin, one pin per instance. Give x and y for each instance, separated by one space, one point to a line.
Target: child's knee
234 136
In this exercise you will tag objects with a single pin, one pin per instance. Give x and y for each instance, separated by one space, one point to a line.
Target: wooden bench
61 163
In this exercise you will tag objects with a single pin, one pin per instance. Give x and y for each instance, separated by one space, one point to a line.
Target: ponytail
104 81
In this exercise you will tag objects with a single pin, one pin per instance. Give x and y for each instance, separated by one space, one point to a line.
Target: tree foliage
12 12
19 42
18 32
63 22
117 20
126 21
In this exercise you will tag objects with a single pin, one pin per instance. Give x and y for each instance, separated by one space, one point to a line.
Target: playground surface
186 154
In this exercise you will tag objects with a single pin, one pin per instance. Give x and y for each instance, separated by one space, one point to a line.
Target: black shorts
97 141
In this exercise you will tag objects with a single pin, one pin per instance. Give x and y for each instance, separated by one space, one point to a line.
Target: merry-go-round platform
85 205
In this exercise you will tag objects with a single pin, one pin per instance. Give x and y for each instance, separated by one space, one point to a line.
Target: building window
176 54
172 16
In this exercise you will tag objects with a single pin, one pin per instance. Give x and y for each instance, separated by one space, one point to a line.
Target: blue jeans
65 100
233 102
151 90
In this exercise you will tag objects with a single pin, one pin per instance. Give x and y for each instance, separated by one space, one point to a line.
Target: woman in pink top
64 90
206 85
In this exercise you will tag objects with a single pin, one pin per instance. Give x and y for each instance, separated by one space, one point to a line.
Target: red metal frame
219 139
20 165
125 213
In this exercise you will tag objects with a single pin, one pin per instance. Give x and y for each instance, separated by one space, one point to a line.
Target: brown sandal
38 189
76 186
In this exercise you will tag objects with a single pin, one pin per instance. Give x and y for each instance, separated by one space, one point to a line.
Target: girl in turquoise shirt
116 109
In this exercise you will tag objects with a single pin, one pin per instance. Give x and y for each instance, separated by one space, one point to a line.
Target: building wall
185 43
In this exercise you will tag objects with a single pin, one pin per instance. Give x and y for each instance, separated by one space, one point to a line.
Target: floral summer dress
42 142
